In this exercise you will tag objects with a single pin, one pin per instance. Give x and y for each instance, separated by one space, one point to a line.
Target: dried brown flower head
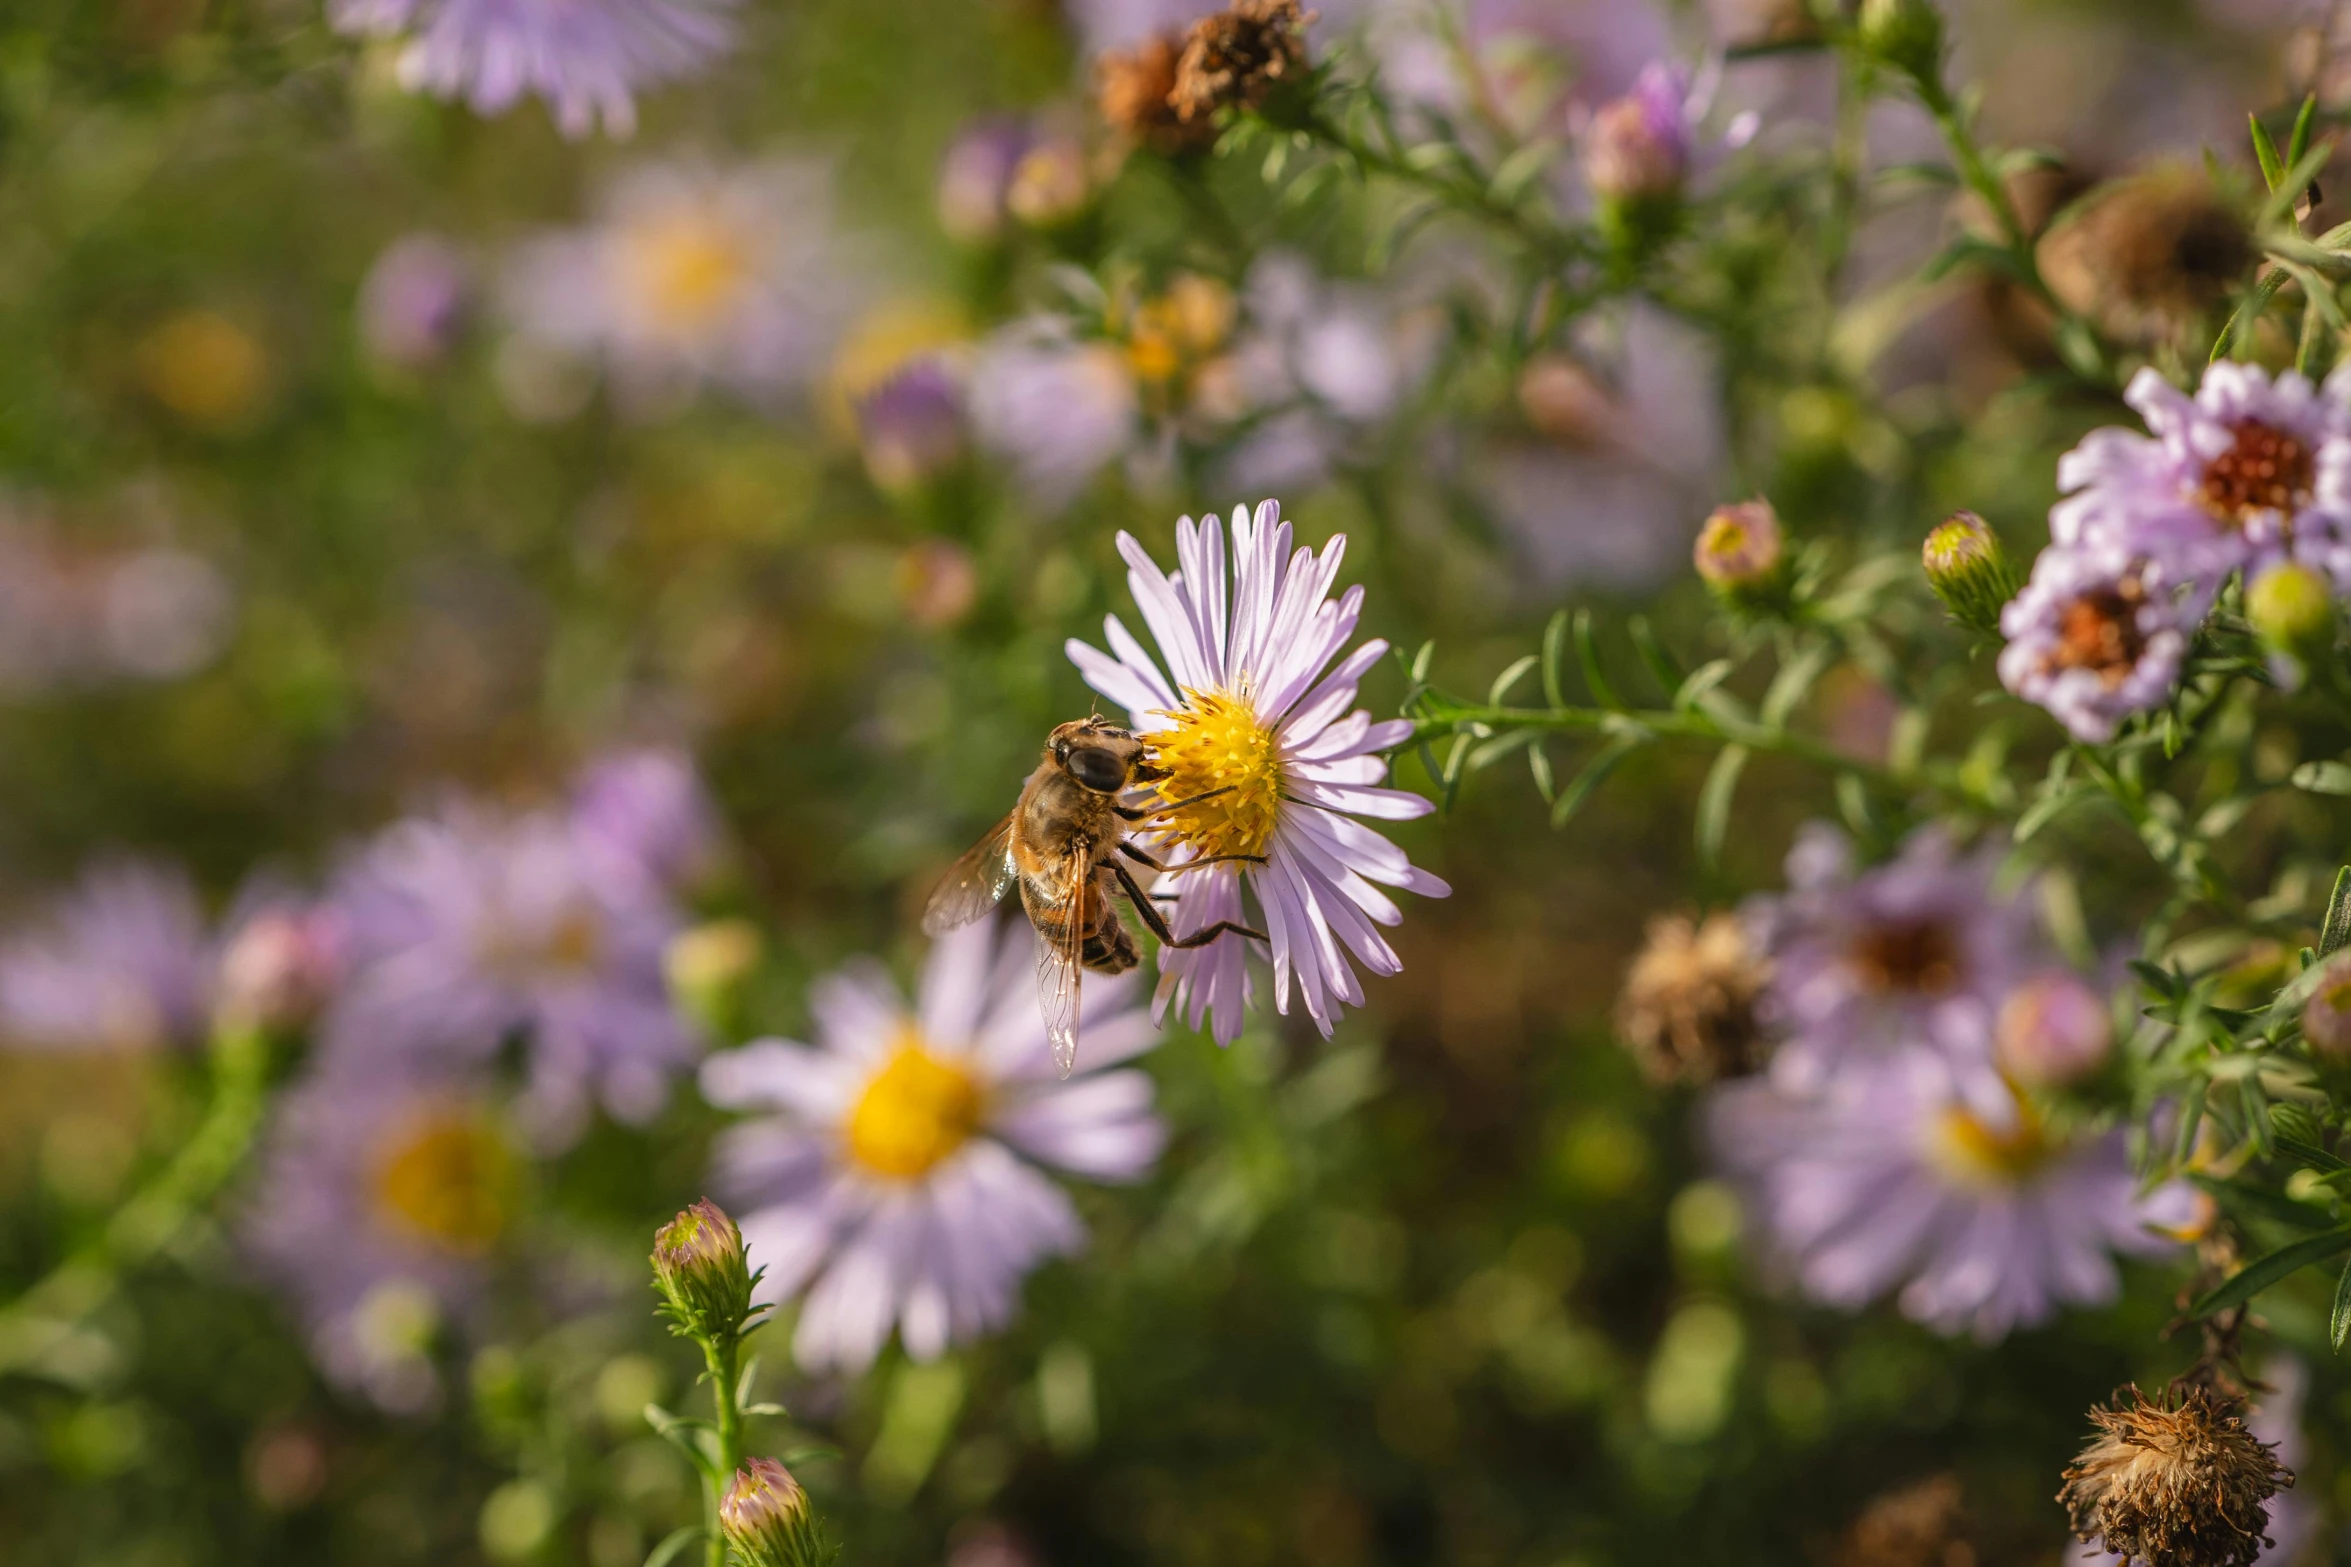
1238 56
2148 254
2176 1479
1918 1525
1134 90
1688 1007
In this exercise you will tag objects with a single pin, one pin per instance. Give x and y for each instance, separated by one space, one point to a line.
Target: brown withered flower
2145 255
1237 57
1134 89
1688 1007
1923 1524
2176 1479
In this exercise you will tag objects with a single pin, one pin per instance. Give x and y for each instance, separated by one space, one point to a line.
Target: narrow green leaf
2337 928
1794 682
2310 1154
1510 677
1420 661
2246 1199
1714 801
1662 668
1520 170
1587 652
2271 1268
1539 764
2157 978
2339 1324
1702 680
2048 808
2298 144
2273 167
1554 652
2322 778
672 1544
1594 774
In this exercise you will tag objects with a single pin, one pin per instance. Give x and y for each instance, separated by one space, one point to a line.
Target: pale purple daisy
2096 636
1252 706
465 927
647 808
1907 961
586 58
893 1177
694 273
2248 471
1059 408
1983 1217
380 1199
414 302
123 960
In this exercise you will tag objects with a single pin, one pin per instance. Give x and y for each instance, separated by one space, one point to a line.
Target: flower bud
2053 1030
1051 185
1969 571
975 179
766 1518
1742 556
1905 34
2292 610
1637 158
278 968
2326 1016
700 1268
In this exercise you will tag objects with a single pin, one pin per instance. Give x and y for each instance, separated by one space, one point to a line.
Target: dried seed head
1135 91
1236 58
1918 1525
2148 254
1688 1008
2176 1479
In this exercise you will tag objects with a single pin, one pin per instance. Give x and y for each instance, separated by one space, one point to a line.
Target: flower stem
1471 192
723 1356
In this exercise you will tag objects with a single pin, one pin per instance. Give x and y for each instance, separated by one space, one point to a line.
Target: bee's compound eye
1097 769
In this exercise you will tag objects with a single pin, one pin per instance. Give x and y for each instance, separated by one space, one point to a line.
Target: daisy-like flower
1911 959
1059 409
2095 637
893 1173
693 273
464 928
586 58
1252 706
1985 1218
2248 471
380 1201
647 808
122 961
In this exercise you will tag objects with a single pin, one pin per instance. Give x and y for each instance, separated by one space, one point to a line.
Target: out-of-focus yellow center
1172 331
686 268
917 1110
1218 743
448 1178
1978 1152
573 944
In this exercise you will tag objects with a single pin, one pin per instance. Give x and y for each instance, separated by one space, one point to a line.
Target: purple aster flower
1058 409
380 1199
693 273
913 426
464 928
975 177
414 302
647 808
1639 146
2096 636
586 58
1985 1218
1257 710
122 961
893 1178
2248 471
1910 960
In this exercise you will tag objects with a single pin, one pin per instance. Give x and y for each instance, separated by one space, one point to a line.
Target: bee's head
1099 754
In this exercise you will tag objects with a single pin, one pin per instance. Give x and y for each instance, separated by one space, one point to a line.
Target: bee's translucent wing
1060 970
973 884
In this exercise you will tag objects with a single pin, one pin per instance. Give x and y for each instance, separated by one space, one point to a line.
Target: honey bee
1066 844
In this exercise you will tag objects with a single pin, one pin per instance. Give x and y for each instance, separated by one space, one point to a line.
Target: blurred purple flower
380 1198
465 928
123 960
913 426
1908 961
414 302
648 808
1985 1218
975 177
1639 145
1060 410
693 273
586 58
2095 637
893 1175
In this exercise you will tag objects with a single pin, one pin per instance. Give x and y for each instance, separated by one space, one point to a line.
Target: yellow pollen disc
914 1112
1979 1153
1216 743
446 1177
686 268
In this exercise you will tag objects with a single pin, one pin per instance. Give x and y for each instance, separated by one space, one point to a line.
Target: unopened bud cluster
1905 34
1969 571
702 1273
1742 555
767 1521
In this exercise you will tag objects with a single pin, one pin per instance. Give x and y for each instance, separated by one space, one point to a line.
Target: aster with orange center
2095 637
1257 709
893 1176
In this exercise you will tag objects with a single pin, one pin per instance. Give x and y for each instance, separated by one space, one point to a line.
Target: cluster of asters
2248 481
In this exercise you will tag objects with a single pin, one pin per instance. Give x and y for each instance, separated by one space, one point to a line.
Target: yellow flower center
1977 1152
447 1178
572 945
917 1110
687 269
1218 743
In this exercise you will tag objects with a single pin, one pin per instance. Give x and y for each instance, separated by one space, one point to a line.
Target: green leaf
1595 773
2339 1324
1702 680
1420 661
2272 1268
2049 807
1587 652
2310 1154
1539 764
1794 682
1554 652
2245 1198
2323 778
1714 801
672 1544
2337 928
1510 677
1662 668
685 1436
1520 170
2298 144
2273 167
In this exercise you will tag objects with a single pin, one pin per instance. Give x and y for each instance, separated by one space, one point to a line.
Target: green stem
1472 195
158 1218
723 1357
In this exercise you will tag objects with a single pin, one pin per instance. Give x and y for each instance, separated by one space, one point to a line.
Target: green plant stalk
1473 196
723 1356
156 1220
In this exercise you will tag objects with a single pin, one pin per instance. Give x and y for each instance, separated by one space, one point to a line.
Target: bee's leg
1157 922
1133 853
1133 815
